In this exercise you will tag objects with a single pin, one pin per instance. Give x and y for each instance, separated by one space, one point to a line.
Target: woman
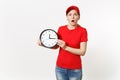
72 42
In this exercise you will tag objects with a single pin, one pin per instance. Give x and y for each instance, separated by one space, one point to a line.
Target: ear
66 17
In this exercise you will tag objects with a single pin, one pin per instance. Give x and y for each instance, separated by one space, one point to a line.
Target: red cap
72 8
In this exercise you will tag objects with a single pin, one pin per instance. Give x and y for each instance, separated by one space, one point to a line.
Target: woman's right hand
39 42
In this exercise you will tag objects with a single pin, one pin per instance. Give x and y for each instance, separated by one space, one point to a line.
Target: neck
72 26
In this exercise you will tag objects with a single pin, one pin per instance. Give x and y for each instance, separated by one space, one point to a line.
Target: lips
72 20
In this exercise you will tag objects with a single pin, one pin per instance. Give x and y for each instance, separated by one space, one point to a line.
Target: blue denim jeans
68 74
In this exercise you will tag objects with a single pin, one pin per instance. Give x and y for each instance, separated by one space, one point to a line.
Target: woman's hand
39 42
61 43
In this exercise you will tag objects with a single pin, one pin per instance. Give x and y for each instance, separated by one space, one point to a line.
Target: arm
81 51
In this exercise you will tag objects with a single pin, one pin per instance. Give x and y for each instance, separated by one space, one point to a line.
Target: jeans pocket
77 70
58 69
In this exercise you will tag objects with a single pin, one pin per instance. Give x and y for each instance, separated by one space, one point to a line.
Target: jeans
68 74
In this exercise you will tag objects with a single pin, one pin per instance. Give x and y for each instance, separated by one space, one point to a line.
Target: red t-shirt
73 38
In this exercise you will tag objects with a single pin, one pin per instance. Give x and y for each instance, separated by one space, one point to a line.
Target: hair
72 8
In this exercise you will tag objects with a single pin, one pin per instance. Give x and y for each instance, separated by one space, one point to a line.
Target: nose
73 16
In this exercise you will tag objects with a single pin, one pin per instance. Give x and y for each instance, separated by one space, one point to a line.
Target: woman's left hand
61 43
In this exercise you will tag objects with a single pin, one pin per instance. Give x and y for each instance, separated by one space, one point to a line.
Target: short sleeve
84 37
58 32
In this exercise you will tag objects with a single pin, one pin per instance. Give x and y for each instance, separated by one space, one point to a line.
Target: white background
21 22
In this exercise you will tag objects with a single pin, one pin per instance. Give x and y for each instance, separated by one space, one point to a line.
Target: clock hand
50 37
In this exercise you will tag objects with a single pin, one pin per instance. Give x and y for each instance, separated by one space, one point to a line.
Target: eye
75 14
69 14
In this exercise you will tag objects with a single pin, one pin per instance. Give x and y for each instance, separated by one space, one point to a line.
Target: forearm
80 52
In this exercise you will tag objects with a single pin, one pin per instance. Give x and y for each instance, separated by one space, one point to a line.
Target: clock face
48 38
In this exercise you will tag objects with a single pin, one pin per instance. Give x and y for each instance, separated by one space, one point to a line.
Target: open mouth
72 20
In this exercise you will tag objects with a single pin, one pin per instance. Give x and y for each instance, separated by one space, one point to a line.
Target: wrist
65 48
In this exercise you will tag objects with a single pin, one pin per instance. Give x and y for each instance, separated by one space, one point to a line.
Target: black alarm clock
49 38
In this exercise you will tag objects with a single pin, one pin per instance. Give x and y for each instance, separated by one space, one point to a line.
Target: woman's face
73 17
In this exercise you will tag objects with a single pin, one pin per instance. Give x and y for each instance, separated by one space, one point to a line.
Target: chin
73 24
